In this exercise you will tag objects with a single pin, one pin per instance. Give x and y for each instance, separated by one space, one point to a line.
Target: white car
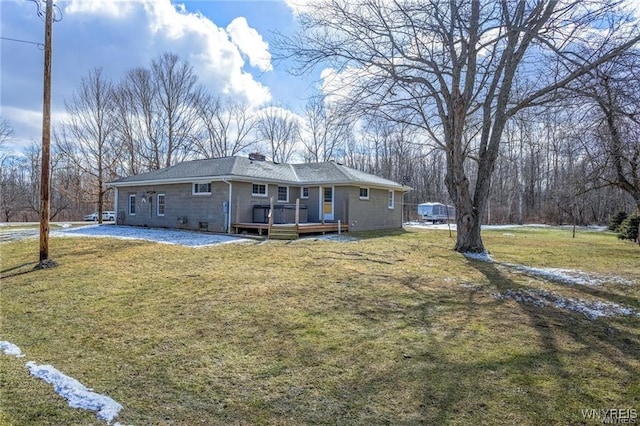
107 215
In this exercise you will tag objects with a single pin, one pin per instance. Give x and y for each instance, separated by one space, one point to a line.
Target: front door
327 203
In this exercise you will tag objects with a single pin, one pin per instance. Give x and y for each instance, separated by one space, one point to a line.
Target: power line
56 17
57 12
40 45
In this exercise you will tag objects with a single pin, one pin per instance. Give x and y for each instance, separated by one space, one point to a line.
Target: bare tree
32 154
11 175
12 186
226 127
613 140
129 125
454 68
325 132
157 111
27 181
9 189
86 138
6 131
177 96
279 130
140 124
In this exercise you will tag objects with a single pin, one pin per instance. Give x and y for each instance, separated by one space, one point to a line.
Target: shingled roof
244 169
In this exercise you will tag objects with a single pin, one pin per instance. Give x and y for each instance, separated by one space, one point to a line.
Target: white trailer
436 212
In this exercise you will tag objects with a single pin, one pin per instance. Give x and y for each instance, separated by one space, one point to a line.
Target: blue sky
227 42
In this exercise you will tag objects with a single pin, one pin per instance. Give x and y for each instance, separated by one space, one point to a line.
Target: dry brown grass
394 328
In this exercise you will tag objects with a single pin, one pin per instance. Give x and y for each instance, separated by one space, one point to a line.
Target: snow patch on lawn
559 275
452 226
163 236
75 392
343 238
570 276
484 256
590 309
78 395
10 349
429 225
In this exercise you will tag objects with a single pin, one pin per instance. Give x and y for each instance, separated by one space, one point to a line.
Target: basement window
202 188
364 193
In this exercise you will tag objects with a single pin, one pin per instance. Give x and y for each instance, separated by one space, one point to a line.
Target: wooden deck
303 228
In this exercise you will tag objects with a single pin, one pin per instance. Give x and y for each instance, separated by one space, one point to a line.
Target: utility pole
45 207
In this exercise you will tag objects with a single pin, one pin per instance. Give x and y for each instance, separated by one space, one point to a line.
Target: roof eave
233 178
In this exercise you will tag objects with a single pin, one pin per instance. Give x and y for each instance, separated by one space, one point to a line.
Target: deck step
283 232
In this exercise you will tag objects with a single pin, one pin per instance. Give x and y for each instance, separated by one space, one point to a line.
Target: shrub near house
628 229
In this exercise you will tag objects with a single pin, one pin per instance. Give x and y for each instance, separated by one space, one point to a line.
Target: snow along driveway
164 236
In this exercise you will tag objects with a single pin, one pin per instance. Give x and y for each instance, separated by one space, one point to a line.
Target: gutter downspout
229 205
115 205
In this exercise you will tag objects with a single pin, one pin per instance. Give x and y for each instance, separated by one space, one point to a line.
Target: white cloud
250 42
22 117
214 52
118 35
278 111
24 122
339 86
112 8
298 7
210 50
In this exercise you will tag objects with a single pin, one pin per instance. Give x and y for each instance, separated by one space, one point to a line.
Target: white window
364 193
391 199
259 190
305 192
202 188
160 204
132 205
283 194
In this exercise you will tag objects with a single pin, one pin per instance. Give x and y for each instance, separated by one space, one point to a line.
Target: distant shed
436 212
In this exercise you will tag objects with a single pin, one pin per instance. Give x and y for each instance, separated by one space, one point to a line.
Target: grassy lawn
391 329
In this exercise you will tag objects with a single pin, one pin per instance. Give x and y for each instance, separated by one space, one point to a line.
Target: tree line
570 155
461 72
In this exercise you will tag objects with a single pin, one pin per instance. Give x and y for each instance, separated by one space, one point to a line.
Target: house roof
244 169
